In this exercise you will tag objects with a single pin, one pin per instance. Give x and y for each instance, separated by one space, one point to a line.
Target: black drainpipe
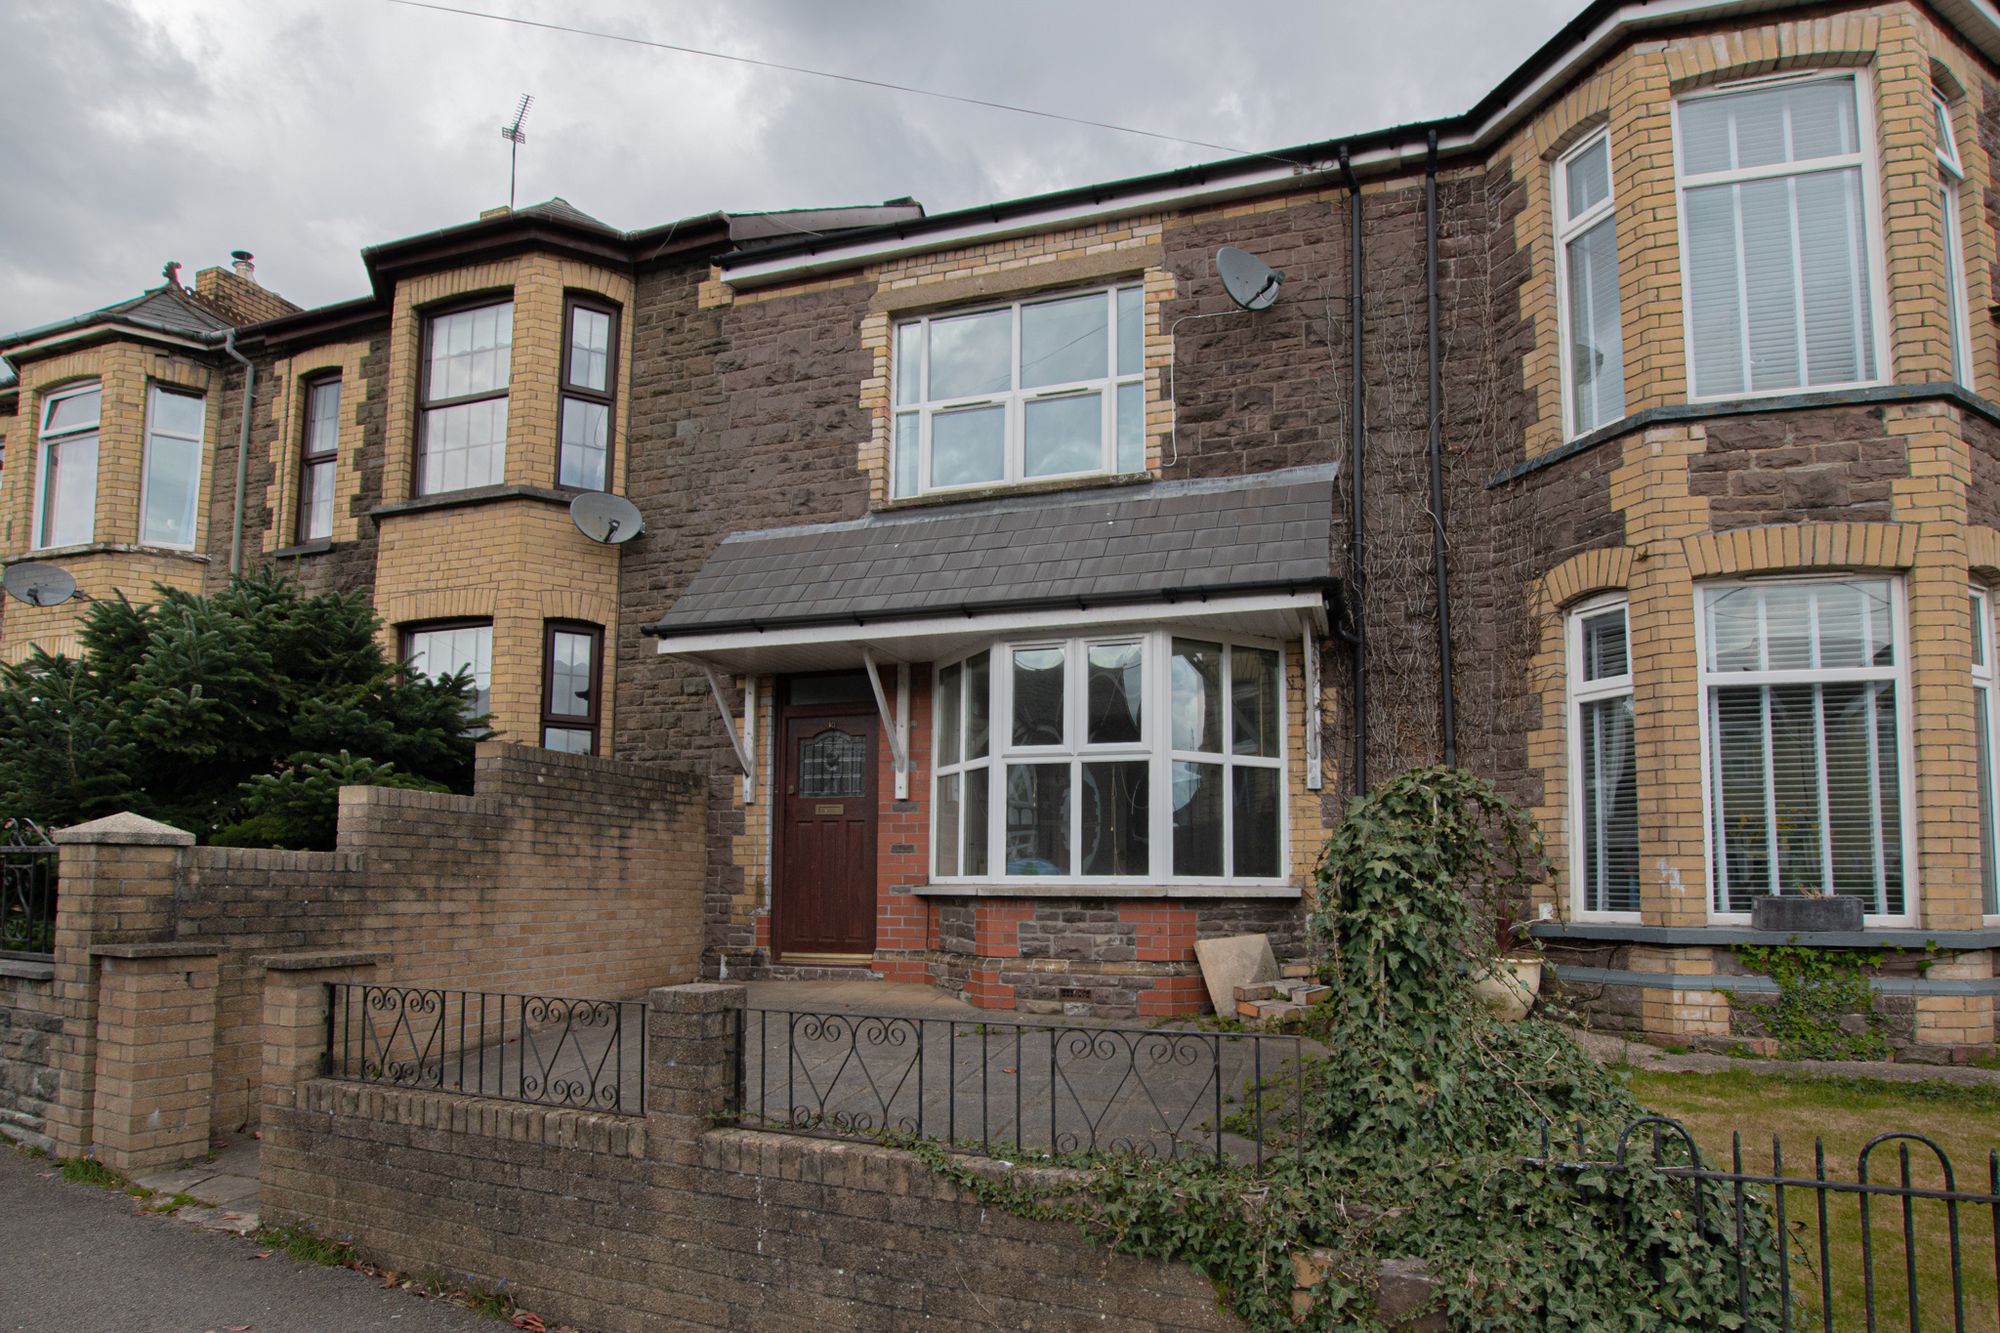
1448 711
1356 631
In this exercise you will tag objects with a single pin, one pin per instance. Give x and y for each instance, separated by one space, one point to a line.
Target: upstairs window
318 459
1053 387
1951 181
447 649
569 687
1141 756
462 437
171 492
1604 805
1802 687
589 374
1777 219
67 494
1592 338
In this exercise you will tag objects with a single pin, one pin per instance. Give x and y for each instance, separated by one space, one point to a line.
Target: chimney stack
240 261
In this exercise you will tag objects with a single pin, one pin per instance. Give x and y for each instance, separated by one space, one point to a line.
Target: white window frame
1579 693
43 441
1871 226
1986 682
1951 205
1905 745
1014 399
1155 746
154 392
1569 230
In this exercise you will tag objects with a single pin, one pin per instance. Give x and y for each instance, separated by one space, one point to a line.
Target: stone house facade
1631 438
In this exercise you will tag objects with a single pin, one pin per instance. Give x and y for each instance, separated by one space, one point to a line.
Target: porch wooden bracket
1309 654
745 744
896 723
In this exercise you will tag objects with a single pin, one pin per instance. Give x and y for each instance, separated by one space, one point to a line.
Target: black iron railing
1021 1088
545 1049
1859 1252
27 890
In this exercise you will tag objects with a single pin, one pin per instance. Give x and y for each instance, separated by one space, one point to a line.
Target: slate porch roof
1164 541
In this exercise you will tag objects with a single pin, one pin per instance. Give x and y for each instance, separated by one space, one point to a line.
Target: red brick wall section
563 875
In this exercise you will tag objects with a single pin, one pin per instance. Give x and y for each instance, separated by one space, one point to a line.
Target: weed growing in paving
1422 1125
90 1171
305 1245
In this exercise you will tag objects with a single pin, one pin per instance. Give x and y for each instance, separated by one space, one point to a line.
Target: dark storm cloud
147 130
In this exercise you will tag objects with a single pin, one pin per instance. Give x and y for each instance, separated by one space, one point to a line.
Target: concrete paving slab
1230 961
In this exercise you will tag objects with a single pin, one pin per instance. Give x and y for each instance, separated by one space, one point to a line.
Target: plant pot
1794 914
1509 987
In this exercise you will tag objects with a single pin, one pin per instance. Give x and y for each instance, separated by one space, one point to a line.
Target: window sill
1723 933
1053 485
1083 888
318 546
478 495
105 548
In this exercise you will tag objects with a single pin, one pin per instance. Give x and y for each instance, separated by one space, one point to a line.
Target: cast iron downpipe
1356 632
242 452
1448 712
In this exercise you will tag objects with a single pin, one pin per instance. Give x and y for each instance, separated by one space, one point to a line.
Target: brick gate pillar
155 1073
295 1018
691 1042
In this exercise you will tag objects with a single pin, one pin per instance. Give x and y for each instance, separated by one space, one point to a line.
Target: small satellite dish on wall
1250 282
38 584
608 519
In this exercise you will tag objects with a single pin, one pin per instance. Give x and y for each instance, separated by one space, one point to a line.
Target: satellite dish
38 584
604 518
1250 282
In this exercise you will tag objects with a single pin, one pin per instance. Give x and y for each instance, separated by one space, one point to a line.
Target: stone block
1231 961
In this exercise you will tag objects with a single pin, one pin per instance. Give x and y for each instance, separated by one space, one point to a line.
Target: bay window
1137 757
1803 730
170 492
589 373
66 490
467 364
1050 387
1604 801
1777 229
438 650
1592 337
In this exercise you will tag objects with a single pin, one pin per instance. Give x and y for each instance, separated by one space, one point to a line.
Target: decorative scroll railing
1861 1252
545 1049
27 890
1021 1088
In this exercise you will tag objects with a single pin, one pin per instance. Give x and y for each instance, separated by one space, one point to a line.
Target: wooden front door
824 899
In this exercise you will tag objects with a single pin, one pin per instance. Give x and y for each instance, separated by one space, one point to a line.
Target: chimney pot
240 261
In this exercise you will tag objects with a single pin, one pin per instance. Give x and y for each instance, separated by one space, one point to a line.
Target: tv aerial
515 136
38 584
1250 282
609 520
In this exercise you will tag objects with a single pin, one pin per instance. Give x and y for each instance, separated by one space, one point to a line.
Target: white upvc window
1805 742
1144 757
1592 338
66 480
1779 219
1049 387
1603 764
1951 179
1986 747
170 493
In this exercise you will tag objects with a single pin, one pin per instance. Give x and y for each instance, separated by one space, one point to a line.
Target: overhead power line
886 86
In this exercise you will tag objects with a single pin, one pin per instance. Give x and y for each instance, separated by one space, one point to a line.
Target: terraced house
1630 438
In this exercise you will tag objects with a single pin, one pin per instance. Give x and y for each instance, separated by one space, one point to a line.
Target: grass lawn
1844 1113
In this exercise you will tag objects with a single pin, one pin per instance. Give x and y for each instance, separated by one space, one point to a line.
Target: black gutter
1170 596
1355 630
1447 708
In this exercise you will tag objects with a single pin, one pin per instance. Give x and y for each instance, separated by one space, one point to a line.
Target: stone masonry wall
562 875
29 1080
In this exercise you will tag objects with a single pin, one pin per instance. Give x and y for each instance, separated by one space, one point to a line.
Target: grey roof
1164 540
562 210
171 308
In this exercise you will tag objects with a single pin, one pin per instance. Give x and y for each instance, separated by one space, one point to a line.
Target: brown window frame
593 722
410 628
308 459
429 316
607 397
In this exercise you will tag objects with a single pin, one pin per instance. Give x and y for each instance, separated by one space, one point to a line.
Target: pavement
75 1259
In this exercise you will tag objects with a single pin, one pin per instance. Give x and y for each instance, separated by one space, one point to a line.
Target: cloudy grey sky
140 131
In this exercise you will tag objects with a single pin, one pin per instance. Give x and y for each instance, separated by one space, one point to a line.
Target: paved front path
78 1260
